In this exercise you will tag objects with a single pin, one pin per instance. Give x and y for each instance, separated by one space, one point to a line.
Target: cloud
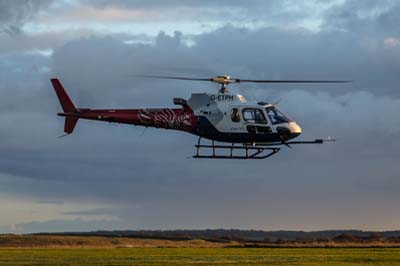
364 17
13 14
114 213
392 42
147 4
51 202
108 163
204 15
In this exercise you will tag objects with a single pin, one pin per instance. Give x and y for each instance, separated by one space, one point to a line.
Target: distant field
46 241
67 241
201 256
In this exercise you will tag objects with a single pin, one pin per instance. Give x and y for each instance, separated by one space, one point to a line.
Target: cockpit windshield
276 116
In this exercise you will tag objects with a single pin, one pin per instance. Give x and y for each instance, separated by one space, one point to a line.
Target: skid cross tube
251 152
316 141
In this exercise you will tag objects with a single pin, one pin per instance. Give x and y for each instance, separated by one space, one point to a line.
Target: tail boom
178 119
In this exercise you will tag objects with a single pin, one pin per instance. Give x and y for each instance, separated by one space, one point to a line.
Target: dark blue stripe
205 129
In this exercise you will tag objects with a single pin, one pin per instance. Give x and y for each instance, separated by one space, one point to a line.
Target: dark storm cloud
130 166
365 17
273 53
13 14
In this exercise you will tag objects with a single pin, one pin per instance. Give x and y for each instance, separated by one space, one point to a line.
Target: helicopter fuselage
219 117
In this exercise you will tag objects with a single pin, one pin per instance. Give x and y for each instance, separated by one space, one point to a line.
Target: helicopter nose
295 129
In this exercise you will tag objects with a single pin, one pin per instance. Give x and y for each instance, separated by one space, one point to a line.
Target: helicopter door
255 121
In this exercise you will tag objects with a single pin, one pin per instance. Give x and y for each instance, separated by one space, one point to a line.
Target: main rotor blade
289 81
228 80
169 77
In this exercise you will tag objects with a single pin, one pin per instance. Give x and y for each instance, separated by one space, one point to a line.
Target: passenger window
235 116
248 115
254 116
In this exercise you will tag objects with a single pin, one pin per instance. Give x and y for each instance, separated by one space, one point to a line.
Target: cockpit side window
276 116
256 116
235 116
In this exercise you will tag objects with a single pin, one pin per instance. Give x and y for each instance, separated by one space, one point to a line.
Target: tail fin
67 106
66 103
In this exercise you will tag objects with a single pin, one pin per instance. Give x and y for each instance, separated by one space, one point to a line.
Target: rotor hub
222 79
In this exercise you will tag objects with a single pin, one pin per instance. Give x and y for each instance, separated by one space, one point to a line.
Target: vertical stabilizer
67 106
66 103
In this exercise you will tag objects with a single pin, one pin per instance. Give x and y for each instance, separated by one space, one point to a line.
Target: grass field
201 256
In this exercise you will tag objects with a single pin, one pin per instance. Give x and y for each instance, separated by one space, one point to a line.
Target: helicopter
254 130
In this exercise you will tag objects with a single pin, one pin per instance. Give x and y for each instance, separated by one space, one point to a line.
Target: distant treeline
221 235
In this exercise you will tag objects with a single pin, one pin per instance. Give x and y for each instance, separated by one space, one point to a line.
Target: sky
108 176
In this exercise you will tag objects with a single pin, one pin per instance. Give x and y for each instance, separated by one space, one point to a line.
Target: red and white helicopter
254 130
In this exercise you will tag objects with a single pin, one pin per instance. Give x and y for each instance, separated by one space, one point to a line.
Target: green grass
201 256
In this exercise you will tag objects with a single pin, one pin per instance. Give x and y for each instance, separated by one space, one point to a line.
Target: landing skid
248 151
